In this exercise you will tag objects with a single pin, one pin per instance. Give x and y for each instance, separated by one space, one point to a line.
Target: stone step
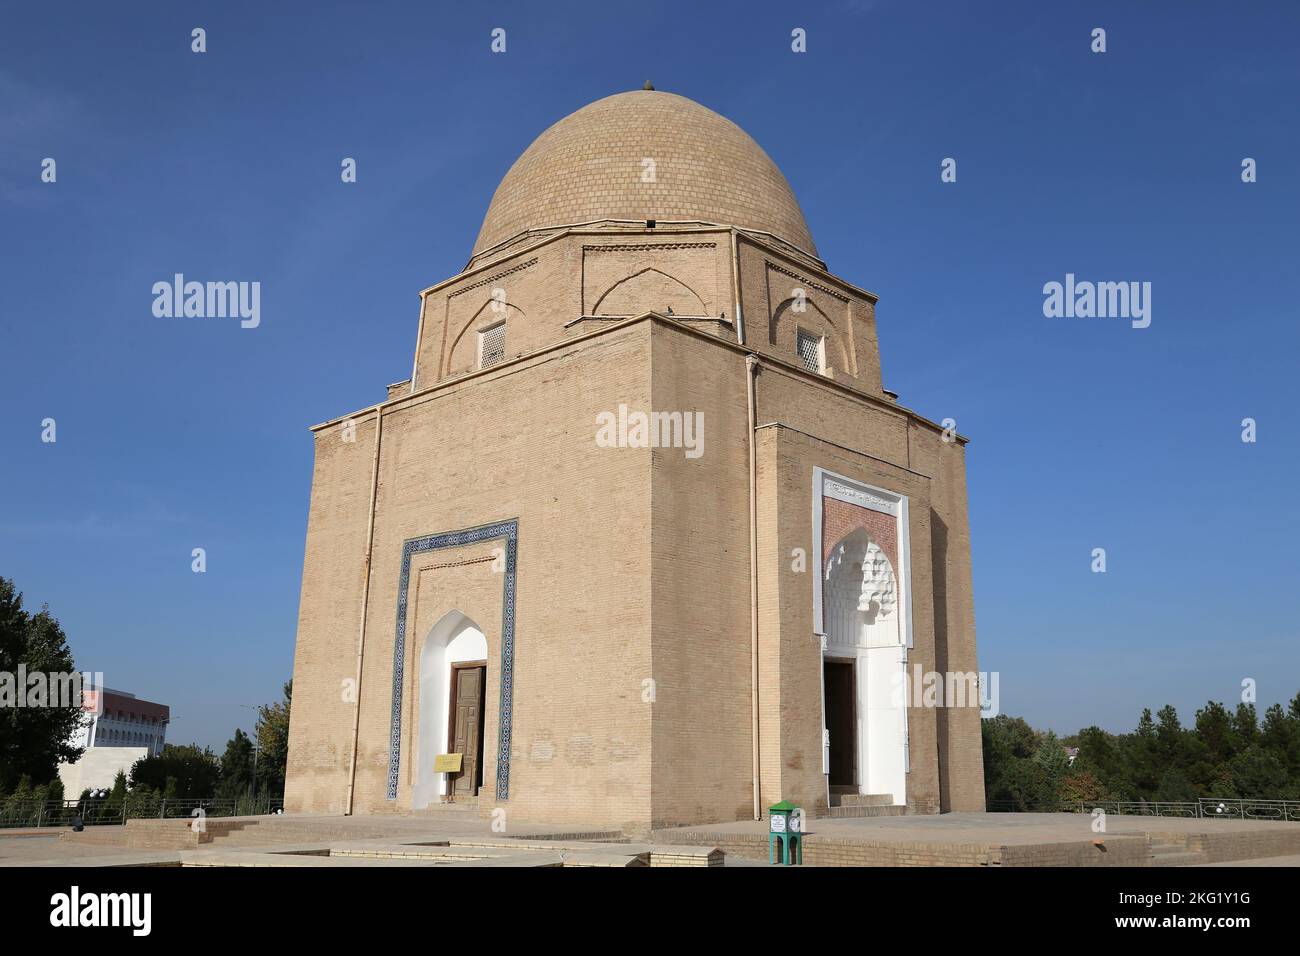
1176 853
464 803
154 834
107 835
290 829
862 800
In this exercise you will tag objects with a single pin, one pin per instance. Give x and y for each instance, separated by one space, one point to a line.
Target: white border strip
828 484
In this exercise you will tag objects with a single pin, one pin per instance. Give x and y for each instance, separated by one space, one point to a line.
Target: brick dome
591 165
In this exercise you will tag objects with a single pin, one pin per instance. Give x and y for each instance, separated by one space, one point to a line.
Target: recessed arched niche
454 640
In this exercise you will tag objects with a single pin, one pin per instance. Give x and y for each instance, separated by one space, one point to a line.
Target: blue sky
175 434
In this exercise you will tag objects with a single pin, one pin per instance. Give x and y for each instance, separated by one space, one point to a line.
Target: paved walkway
415 840
1266 861
441 839
1004 829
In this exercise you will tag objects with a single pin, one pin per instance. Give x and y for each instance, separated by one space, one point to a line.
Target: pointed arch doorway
862 669
452 686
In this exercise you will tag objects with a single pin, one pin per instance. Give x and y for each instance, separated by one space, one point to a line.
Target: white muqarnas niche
866 586
879 597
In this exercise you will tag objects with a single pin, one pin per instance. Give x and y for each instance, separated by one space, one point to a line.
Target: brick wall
633 565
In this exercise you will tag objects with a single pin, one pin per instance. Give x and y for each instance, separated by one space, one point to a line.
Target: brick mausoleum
644 526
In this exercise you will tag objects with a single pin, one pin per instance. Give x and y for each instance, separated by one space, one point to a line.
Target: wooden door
466 726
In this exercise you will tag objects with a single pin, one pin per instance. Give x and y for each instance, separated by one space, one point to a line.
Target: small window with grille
812 351
492 345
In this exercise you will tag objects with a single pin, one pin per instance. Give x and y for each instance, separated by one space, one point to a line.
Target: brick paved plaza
465 838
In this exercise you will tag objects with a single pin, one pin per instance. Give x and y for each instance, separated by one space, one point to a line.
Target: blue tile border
501 529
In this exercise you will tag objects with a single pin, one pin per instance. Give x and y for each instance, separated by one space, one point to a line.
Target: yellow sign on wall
447 763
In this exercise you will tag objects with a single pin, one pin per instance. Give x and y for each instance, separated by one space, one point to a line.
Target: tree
1051 756
1050 765
272 732
1280 736
1257 774
188 772
33 740
1140 758
1245 724
1146 727
1102 758
261 758
1009 774
1226 754
1174 787
1081 786
116 801
17 803
236 767
1214 727
1169 734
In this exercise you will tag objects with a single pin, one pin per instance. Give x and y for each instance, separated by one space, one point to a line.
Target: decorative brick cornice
494 278
808 282
647 246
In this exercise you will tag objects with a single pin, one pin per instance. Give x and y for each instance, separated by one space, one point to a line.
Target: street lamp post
256 749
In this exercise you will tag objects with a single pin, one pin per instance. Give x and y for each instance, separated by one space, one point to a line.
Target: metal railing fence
1223 808
101 811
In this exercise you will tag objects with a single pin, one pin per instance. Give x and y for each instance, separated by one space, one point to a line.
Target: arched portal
863 671
452 681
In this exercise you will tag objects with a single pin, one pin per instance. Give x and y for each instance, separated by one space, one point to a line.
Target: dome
591 165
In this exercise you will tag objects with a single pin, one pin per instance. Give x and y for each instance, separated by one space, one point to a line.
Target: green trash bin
784 830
